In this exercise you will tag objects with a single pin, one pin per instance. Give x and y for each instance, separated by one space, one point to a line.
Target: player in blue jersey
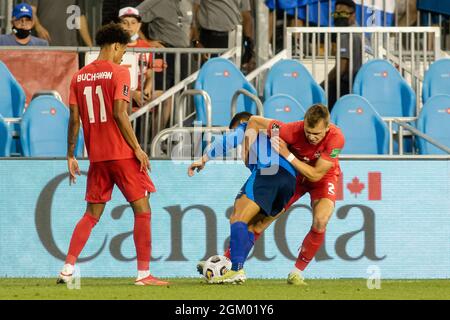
267 191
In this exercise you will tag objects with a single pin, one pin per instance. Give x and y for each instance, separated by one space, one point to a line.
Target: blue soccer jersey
261 154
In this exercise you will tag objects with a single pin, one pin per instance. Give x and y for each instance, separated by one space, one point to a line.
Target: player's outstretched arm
123 122
72 138
219 148
313 174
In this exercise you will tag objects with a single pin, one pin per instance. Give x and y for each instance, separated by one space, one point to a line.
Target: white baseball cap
129 12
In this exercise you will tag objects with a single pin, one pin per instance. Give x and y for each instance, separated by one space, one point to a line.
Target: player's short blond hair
315 113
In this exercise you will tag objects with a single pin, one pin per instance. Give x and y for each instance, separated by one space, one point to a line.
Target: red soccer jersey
145 58
329 148
94 89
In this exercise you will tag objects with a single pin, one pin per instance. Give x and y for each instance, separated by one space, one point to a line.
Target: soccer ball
216 266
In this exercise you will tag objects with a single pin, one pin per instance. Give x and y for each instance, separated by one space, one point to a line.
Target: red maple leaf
355 187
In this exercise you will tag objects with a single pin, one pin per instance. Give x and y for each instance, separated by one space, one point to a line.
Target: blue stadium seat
44 129
12 101
12 96
220 78
5 138
434 121
364 130
383 86
436 80
292 78
284 108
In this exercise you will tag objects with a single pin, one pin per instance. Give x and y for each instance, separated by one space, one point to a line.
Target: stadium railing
411 49
383 13
387 43
194 58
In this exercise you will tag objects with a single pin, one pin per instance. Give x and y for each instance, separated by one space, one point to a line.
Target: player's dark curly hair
315 113
112 33
238 117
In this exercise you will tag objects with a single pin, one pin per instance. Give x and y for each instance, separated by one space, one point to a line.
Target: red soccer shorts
325 188
126 174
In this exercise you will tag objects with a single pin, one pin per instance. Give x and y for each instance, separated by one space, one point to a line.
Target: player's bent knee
140 205
320 224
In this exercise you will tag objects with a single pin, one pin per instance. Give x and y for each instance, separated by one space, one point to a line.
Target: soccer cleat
150 281
64 278
231 276
200 266
296 279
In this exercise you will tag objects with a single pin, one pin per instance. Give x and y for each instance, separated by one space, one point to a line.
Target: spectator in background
169 23
59 22
130 20
110 12
22 24
407 13
110 9
214 19
344 16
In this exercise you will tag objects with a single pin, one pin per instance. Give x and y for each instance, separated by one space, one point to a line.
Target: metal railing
140 118
159 113
167 100
234 99
186 143
181 105
392 133
405 14
404 126
410 49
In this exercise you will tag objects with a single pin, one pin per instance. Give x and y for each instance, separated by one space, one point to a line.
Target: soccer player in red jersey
312 146
99 96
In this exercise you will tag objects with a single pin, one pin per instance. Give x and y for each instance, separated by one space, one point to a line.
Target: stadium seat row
290 88
43 126
367 133
43 130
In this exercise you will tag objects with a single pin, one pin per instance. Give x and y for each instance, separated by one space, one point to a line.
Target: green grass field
196 289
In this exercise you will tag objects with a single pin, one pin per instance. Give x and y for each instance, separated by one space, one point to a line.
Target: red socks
310 246
142 240
141 236
80 236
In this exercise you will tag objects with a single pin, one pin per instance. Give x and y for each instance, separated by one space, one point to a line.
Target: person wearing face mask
22 24
130 20
344 16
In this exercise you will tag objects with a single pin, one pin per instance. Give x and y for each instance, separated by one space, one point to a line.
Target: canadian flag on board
358 187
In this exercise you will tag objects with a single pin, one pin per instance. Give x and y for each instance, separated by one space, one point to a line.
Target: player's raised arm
123 122
223 144
255 124
72 138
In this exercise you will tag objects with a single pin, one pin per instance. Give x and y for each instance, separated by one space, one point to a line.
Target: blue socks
250 243
241 242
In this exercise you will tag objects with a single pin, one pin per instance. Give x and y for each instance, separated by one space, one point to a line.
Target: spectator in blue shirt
22 24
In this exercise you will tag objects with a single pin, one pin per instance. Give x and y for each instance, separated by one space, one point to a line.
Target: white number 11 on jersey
90 104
